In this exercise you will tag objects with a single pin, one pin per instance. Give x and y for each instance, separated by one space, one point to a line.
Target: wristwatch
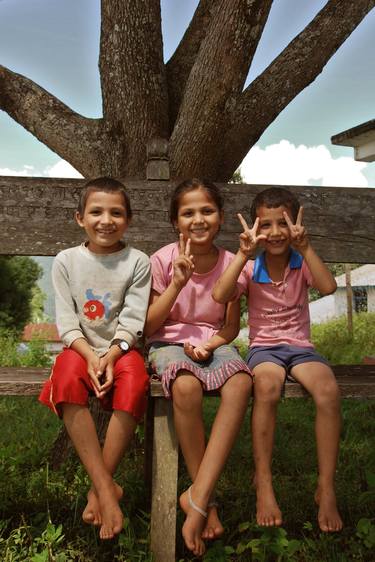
122 344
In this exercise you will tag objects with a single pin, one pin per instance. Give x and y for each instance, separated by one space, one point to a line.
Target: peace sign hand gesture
183 266
249 238
298 234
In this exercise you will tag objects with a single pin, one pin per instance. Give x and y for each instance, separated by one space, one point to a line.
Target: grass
40 509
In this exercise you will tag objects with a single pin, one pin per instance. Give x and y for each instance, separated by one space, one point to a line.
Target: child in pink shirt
276 284
189 332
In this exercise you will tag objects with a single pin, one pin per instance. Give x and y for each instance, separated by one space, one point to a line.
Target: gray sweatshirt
101 297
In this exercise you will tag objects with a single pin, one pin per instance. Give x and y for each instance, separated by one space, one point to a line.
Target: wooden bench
37 219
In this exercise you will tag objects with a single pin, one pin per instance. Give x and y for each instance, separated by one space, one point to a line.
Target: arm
132 316
226 334
67 320
225 287
323 279
161 304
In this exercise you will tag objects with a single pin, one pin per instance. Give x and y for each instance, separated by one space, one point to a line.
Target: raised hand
199 353
298 234
183 266
249 238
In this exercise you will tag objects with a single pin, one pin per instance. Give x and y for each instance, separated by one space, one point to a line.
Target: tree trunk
196 100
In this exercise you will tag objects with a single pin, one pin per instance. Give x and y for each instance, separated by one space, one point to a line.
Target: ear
79 219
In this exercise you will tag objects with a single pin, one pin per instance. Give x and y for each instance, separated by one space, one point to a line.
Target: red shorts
69 382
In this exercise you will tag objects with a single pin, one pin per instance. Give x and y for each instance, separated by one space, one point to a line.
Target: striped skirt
166 360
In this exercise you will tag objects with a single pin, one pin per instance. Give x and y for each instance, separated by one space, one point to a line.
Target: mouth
198 230
276 242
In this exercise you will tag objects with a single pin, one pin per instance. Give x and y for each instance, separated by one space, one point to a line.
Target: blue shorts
287 356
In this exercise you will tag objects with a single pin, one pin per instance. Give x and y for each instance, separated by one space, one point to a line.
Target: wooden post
349 300
164 483
157 159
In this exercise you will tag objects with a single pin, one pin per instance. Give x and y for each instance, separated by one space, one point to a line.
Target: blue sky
56 44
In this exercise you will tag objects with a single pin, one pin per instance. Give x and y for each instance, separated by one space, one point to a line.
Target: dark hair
108 185
190 185
274 197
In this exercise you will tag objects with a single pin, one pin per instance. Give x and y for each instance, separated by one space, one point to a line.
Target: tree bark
133 79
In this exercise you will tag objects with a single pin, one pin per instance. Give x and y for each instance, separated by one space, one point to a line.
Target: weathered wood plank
22 381
355 381
37 216
164 484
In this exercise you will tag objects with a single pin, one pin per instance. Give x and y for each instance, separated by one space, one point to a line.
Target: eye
209 211
265 225
186 213
117 213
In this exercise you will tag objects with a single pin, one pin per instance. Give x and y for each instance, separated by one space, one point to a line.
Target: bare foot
268 511
194 524
213 529
111 514
328 516
91 513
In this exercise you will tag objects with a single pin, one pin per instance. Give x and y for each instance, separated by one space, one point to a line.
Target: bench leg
164 483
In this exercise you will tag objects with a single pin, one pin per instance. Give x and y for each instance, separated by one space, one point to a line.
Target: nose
198 218
275 229
106 218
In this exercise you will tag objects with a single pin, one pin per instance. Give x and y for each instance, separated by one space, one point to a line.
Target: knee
267 389
238 387
328 395
186 390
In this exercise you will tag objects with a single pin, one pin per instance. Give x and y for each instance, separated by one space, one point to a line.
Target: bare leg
119 434
82 431
234 399
319 380
268 382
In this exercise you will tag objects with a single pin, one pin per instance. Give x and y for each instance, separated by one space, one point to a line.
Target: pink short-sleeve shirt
195 316
278 312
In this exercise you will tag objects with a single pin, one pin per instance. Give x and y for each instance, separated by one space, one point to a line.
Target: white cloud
61 169
287 164
24 171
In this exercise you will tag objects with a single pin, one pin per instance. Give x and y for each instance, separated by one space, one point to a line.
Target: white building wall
323 309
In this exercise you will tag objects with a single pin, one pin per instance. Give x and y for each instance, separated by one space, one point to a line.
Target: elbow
330 288
217 296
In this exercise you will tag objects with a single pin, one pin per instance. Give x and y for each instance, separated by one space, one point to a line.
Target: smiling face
105 221
273 224
198 218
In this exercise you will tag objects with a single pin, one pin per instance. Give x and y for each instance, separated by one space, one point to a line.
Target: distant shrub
332 339
15 354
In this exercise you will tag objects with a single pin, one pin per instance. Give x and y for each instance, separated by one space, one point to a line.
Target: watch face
124 346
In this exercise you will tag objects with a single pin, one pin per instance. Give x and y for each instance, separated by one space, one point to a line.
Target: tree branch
180 64
218 73
292 71
67 133
134 86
